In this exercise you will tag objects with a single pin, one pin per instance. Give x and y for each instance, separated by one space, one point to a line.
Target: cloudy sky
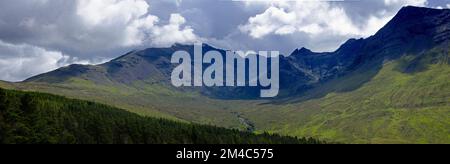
37 36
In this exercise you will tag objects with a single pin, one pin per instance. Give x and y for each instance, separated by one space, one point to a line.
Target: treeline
28 117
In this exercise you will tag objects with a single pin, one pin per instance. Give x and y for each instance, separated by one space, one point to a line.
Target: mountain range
392 87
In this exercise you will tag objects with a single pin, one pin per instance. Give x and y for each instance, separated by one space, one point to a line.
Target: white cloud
136 31
21 61
18 62
108 28
405 2
138 25
274 19
317 18
312 18
172 32
44 31
111 11
444 7
88 26
145 29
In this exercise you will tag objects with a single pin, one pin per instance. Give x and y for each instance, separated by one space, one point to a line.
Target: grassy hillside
142 98
27 117
407 101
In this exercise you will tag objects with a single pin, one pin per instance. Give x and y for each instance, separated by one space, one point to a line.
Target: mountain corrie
259 74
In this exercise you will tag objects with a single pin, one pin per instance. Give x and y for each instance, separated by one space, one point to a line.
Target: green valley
37 118
392 87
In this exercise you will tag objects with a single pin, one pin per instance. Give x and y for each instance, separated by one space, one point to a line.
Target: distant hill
392 87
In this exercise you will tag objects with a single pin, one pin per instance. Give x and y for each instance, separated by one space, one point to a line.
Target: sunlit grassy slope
145 99
407 101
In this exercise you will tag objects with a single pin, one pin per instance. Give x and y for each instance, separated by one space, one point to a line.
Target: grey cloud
18 62
58 25
54 26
